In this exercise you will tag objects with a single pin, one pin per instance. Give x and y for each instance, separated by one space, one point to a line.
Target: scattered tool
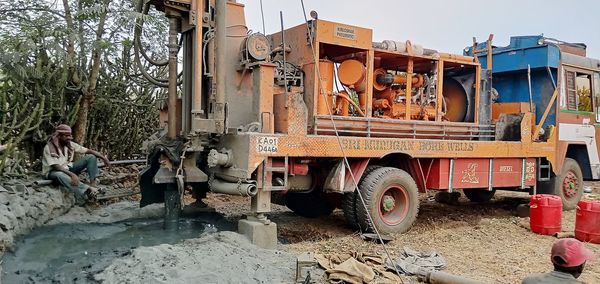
303 263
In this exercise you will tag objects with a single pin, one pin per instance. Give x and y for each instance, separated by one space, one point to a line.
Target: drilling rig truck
319 116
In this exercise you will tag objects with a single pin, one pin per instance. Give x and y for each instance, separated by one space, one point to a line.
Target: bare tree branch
30 9
71 44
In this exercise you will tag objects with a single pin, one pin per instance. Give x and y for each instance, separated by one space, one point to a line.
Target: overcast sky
447 26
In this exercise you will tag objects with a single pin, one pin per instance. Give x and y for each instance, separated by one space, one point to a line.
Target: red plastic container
587 221
545 214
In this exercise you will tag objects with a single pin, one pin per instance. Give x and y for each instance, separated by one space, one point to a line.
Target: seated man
569 257
58 165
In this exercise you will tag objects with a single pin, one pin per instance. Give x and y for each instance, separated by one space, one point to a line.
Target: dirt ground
486 242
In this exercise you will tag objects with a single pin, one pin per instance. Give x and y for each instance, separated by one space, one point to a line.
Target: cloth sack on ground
331 260
351 271
338 272
412 262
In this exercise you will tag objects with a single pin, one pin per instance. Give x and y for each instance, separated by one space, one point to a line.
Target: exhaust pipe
242 189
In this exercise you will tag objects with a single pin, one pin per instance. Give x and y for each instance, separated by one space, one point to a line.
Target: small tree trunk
80 126
89 93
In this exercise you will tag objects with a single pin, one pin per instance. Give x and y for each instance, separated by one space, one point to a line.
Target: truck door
596 96
579 119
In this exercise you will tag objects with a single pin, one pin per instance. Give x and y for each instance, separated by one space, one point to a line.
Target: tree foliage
72 62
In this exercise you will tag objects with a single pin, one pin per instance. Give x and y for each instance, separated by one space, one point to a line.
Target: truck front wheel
568 185
391 199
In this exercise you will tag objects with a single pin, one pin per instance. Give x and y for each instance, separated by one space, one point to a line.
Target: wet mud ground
73 253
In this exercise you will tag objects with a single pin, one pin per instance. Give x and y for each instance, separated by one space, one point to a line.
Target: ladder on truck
267 175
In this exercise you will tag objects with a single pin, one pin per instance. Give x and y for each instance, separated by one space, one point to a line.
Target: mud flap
154 179
151 192
339 181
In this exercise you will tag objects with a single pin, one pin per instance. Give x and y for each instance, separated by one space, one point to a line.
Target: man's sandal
100 190
91 194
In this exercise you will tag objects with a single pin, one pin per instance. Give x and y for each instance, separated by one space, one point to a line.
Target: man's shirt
554 277
62 159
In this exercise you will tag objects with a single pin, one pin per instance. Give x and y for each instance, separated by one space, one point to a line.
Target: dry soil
486 242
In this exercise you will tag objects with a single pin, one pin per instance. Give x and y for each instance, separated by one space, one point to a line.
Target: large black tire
568 185
391 198
479 195
349 202
310 205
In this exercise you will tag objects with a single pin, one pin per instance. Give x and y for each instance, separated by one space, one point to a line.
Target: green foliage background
36 78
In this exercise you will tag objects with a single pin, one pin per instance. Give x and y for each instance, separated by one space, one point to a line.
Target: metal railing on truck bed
378 127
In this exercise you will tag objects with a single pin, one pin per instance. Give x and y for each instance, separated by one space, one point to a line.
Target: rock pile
24 208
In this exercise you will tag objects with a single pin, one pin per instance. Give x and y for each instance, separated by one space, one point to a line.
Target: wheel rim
393 204
570 185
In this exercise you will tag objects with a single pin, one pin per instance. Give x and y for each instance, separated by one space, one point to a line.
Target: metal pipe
284 57
120 162
344 95
198 51
530 90
485 98
551 76
262 15
123 162
188 83
215 158
172 99
220 54
242 189
389 79
438 277
172 207
42 182
456 57
209 57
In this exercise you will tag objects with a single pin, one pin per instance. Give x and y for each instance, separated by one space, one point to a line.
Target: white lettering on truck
267 145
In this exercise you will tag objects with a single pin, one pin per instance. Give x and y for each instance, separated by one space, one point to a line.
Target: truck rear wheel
568 185
349 202
391 199
479 195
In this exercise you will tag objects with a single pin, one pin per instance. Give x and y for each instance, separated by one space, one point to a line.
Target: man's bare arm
74 177
99 156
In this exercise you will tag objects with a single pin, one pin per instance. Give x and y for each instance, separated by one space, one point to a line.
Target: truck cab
561 86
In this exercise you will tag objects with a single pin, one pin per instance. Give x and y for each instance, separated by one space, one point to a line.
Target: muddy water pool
73 253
